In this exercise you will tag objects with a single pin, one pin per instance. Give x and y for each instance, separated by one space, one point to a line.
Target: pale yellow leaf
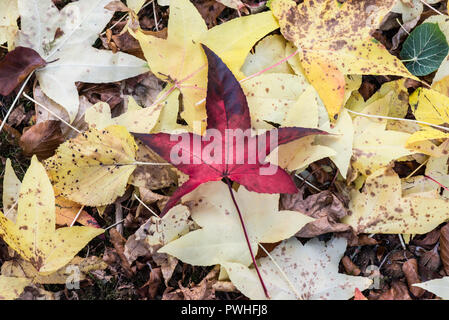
33 236
221 237
94 160
11 188
381 208
11 287
311 270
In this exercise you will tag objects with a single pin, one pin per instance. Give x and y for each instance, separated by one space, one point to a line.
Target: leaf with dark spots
229 149
16 66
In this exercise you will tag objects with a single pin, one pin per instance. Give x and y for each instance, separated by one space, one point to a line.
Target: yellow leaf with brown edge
34 236
335 38
381 208
180 60
11 287
94 160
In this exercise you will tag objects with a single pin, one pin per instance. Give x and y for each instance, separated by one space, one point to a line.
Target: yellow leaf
138 120
11 188
335 40
234 39
94 160
268 51
180 60
374 146
221 238
135 5
298 154
23 268
11 287
381 208
443 70
33 235
9 13
341 142
281 98
168 117
427 133
430 106
309 272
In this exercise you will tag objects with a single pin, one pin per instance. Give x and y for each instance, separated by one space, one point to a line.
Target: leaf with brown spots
381 208
34 236
180 60
11 189
334 39
11 287
311 270
94 160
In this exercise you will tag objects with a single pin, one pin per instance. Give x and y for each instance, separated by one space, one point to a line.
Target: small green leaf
424 49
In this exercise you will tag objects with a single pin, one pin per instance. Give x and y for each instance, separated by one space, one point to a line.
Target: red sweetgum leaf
227 112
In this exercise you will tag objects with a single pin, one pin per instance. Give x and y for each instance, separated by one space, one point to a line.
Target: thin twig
242 222
428 5
77 216
113 225
155 16
307 182
298 295
53 113
402 27
416 170
398 119
146 207
15 100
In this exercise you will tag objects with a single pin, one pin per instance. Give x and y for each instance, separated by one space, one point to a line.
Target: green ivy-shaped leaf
424 49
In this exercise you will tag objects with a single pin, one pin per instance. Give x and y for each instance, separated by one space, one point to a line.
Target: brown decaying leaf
202 291
151 177
42 139
397 291
323 206
210 10
410 269
444 247
151 287
16 66
119 244
350 267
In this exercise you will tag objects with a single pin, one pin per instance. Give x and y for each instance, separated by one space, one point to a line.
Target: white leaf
311 270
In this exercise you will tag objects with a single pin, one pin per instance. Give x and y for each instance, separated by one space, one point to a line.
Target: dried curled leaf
94 160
